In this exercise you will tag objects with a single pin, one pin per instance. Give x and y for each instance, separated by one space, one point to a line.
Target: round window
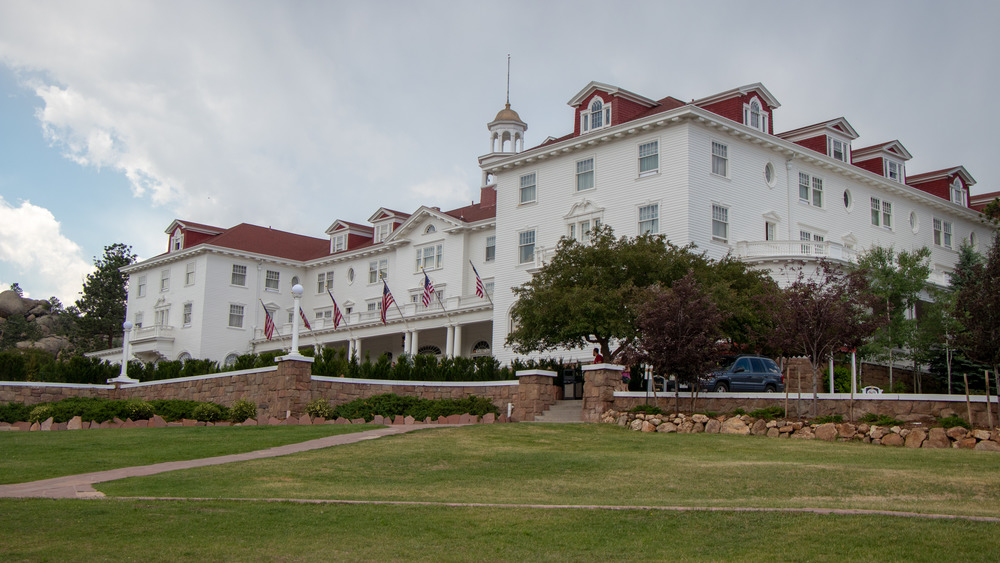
914 222
972 240
350 275
769 174
848 201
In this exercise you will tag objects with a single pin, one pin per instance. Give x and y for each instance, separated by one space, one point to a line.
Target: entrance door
572 382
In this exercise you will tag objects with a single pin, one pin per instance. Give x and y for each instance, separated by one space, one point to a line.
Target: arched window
183 357
430 229
957 192
481 348
754 115
596 116
230 360
429 351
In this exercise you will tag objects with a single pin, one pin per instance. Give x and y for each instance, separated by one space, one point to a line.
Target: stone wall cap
295 358
612 367
415 383
542 372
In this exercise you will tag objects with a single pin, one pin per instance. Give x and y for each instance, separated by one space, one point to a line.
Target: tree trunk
815 389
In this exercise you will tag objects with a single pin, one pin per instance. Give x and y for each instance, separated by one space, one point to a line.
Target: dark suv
745 373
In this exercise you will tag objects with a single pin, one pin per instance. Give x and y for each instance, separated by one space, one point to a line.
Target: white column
357 347
831 374
296 297
854 372
449 342
406 342
415 342
458 341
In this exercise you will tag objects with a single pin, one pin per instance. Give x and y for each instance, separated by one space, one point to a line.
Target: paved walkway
81 486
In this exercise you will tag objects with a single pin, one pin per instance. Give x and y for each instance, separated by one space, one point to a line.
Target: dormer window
837 149
754 116
382 231
894 170
596 117
958 193
177 241
338 243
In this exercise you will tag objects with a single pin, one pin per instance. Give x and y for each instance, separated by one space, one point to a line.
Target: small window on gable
894 170
958 193
598 115
382 231
754 116
338 243
430 229
177 241
837 149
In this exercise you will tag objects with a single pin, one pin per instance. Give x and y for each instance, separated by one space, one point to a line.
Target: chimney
488 196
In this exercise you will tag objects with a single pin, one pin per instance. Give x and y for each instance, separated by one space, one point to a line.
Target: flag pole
394 302
350 334
479 279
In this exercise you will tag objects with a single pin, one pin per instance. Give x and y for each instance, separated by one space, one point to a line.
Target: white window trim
164 280
956 192
187 314
520 245
762 113
725 221
723 158
140 289
579 174
488 256
276 279
233 273
380 271
639 156
521 187
811 190
338 243
639 220
587 116
436 256
242 316
900 170
943 233
831 143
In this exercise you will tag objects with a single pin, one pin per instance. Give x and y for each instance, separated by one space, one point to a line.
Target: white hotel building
710 172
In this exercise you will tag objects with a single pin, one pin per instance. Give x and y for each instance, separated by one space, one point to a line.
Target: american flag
268 323
337 317
305 320
480 288
428 290
386 300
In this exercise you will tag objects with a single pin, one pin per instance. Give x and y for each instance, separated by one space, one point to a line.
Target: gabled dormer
948 183
348 236
885 159
832 138
384 222
185 234
752 105
599 106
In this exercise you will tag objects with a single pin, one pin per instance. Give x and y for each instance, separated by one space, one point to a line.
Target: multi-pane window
339 243
893 170
187 314
649 157
810 189
491 248
585 174
161 317
770 231
527 192
164 280
649 219
382 231
429 257
377 270
754 116
374 306
810 249
837 149
189 274
271 280
957 192
942 233
239 276
720 159
138 320
526 247
580 230
324 281
720 223
236 316
881 213
177 241
599 115
141 286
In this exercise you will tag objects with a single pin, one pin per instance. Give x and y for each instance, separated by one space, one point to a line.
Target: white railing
798 248
154 332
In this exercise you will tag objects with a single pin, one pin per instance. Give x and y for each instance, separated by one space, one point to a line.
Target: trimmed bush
242 410
40 413
209 412
835 418
390 405
880 420
768 413
14 412
648 409
319 408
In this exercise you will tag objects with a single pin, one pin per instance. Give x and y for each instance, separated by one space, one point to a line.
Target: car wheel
721 388
770 389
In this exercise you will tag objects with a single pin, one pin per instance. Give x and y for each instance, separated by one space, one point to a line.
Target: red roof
473 213
665 104
271 242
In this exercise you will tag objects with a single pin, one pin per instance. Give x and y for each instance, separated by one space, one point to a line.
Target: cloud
31 241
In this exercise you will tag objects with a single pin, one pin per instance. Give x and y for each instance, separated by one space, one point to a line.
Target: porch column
458 341
449 342
415 342
406 342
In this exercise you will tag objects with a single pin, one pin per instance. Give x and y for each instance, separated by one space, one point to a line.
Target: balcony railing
796 248
152 333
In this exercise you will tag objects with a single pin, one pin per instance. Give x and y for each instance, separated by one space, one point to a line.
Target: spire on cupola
506 129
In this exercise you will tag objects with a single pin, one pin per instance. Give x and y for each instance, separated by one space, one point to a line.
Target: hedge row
390 405
91 409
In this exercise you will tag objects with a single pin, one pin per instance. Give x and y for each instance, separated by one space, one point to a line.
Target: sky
118 117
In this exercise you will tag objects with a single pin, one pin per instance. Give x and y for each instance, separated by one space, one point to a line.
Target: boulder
772 432
981 434
827 432
46 424
636 425
957 432
667 427
915 438
11 304
988 445
966 443
735 425
713 426
759 428
699 418
892 439
937 438
846 430
75 423
648 426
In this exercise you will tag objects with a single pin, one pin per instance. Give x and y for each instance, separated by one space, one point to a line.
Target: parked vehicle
746 373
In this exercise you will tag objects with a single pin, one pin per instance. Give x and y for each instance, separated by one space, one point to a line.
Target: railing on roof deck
797 248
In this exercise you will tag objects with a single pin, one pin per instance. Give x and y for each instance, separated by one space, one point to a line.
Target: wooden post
968 406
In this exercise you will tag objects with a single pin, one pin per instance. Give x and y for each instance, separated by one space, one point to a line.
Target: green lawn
30 456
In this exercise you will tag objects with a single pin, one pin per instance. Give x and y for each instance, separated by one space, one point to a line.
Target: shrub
242 410
648 409
174 409
137 409
879 420
390 405
739 412
319 408
953 421
209 412
40 413
14 412
768 413
836 418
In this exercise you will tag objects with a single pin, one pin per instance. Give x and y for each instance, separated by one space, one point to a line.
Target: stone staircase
563 411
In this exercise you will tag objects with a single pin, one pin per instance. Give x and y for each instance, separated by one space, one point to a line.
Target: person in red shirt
598 358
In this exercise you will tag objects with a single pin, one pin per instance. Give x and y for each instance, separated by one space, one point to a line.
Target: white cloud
47 263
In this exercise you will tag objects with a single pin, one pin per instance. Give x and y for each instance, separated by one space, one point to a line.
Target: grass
121 530
604 464
30 456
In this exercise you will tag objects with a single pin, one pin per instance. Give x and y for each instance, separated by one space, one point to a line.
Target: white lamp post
123 376
297 296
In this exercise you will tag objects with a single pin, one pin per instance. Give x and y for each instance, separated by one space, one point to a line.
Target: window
914 222
417 299
649 219
491 248
187 314
138 320
429 257
377 270
526 247
230 360
585 175
339 243
324 281
350 275
374 306
769 174
271 280
720 223
810 189
382 231
295 281
598 116
958 193
720 159
177 241
581 230
837 149
239 276
754 116
812 249
164 280
942 233
527 188
488 286
972 241
430 229
236 316
649 158
847 200
189 274
881 213
141 289
893 170
770 231
162 316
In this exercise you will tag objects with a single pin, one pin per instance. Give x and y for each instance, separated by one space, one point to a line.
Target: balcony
150 343
759 250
